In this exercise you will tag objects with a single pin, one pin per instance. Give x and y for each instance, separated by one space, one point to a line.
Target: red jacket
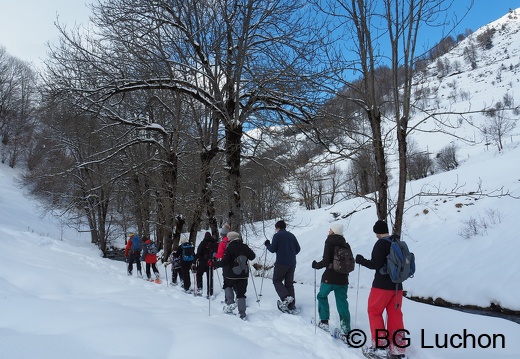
148 258
128 248
222 248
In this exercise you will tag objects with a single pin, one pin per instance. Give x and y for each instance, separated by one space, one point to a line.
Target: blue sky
27 25
483 12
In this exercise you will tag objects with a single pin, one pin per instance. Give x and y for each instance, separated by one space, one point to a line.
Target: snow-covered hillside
458 89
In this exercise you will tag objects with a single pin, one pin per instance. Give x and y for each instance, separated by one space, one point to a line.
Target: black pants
209 278
239 286
154 267
186 266
176 272
135 257
283 280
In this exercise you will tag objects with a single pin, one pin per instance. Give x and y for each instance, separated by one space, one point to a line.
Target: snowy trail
62 300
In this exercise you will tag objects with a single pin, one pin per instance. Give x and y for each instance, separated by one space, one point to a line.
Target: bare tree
243 62
446 158
420 165
499 126
17 107
394 24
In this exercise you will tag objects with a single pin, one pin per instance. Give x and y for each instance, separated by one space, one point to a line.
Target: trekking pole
315 319
218 277
210 285
263 274
254 286
194 283
166 275
357 294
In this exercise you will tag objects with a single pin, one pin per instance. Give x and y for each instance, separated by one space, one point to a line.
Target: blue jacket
286 247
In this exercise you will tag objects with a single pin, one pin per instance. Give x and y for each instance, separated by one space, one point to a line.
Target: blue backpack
188 252
400 262
136 243
152 248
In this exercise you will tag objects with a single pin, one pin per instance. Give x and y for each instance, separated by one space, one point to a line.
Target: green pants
340 293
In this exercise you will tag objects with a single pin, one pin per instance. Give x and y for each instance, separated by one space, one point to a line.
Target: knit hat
184 238
280 224
233 236
224 230
380 227
207 235
337 228
131 234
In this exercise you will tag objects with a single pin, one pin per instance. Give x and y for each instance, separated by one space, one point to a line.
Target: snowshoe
338 334
374 353
229 308
284 309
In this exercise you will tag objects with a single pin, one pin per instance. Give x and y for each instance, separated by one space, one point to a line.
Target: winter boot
284 304
229 308
199 292
324 325
242 307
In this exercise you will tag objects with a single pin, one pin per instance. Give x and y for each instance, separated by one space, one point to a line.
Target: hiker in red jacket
149 255
133 253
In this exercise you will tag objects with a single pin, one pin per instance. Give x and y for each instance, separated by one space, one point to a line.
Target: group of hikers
233 256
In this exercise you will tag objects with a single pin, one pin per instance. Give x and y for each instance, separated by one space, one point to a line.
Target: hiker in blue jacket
286 247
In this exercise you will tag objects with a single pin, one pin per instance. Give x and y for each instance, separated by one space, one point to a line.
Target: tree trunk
381 180
233 158
167 204
205 199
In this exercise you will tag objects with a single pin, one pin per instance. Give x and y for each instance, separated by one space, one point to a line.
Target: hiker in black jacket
384 296
332 281
204 263
235 264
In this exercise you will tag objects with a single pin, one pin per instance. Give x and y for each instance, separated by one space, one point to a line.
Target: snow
60 299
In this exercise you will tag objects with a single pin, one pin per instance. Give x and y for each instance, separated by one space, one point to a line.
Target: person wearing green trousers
332 281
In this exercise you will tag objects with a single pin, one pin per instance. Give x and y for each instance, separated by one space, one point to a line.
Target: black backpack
343 261
209 250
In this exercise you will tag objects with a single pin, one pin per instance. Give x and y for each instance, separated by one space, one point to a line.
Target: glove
359 259
314 264
166 264
210 263
267 242
194 267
